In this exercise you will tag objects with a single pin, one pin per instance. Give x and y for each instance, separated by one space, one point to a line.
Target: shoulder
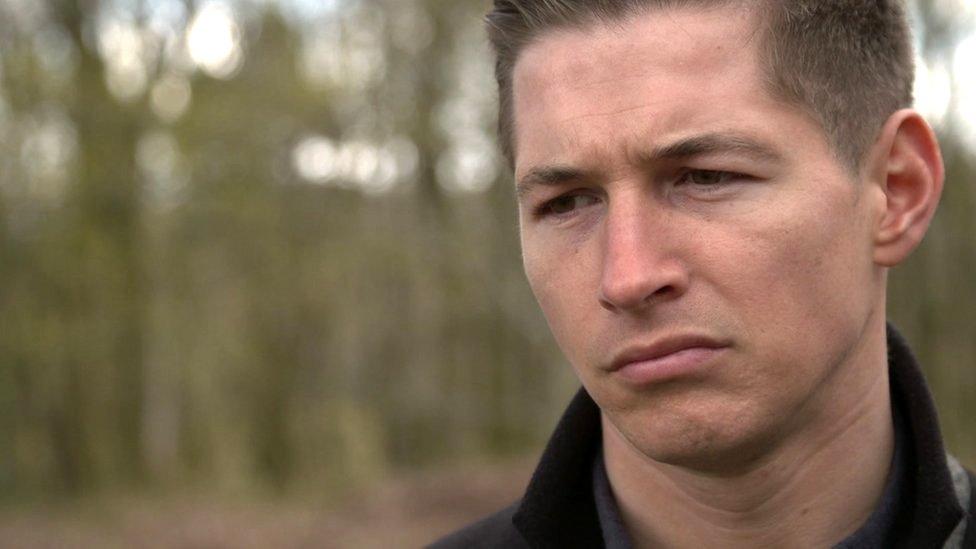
964 483
969 541
492 531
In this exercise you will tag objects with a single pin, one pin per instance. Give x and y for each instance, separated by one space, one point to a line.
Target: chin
715 444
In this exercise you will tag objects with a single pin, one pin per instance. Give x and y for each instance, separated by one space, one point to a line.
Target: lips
666 357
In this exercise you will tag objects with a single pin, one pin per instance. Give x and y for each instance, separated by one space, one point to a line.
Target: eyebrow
712 144
682 149
547 176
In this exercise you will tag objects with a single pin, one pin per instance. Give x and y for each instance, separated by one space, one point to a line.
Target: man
711 194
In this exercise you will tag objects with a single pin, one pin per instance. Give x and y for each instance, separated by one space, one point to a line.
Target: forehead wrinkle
613 112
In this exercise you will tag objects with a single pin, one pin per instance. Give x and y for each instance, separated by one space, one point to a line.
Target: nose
641 260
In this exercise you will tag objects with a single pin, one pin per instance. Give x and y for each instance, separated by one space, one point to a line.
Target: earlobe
908 166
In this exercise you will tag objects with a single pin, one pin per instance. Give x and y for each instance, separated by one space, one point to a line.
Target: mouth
666 358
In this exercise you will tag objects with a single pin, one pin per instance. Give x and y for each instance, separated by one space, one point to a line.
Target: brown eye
568 203
707 178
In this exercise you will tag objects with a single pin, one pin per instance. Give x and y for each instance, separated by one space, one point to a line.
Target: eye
708 178
566 204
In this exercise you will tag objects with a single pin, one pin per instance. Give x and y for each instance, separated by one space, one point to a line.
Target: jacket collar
934 509
558 508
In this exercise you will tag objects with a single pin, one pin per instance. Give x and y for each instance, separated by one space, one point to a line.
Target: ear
906 164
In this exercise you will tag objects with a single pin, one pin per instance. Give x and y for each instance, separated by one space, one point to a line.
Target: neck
813 488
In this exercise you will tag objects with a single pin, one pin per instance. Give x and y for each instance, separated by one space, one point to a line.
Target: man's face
703 259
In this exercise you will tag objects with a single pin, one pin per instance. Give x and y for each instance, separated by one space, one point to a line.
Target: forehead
656 74
649 39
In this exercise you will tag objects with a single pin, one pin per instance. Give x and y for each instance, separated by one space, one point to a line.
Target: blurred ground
410 511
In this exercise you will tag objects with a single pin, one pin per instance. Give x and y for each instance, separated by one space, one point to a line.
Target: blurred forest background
266 251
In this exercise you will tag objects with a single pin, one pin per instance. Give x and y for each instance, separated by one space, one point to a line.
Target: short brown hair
848 63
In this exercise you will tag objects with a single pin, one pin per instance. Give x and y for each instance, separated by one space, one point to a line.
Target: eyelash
726 177
546 208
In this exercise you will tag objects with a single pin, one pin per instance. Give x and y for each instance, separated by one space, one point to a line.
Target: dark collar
934 509
558 508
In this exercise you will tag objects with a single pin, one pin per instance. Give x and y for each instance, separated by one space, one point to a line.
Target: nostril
663 291
633 295
642 291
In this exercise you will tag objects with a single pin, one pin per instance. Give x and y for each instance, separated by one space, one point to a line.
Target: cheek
802 276
561 281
